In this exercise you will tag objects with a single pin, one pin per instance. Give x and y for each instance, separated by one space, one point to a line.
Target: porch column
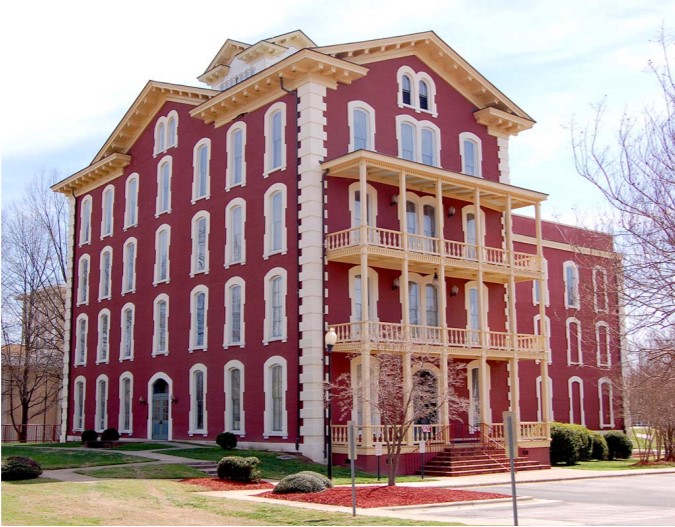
545 395
512 319
442 304
483 388
482 315
515 393
365 311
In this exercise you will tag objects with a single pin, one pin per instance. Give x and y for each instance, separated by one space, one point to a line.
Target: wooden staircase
472 460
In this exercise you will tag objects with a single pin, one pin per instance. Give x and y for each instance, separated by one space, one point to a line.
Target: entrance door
160 410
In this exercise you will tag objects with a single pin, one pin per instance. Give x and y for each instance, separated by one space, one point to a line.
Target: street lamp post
330 340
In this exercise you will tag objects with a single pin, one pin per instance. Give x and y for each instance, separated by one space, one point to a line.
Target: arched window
418 140
606 400
408 141
201 178
103 347
275 142
131 201
236 158
126 397
234 397
416 90
603 355
470 149
574 350
600 300
423 95
160 340
472 238
406 90
166 132
200 243
540 412
79 399
275 220
101 403
85 220
547 333
129 270
164 170
83 280
172 129
161 136
235 241
108 203
81 340
198 400
428 147
275 386
162 243
575 387
127 339
571 280
198 318
234 312
105 274
275 305
361 126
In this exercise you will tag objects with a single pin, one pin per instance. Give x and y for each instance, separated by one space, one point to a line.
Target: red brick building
220 231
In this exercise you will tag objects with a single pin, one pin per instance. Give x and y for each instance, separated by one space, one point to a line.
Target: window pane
429 221
424 96
107 212
276 140
405 89
128 332
407 142
428 147
431 305
277 409
238 157
360 130
235 397
277 307
202 171
235 310
163 255
199 400
129 271
165 187
200 301
236 229
413 303
105 278
161 326
469 157
132 202
200 262
104 337
160 138
172 132
126 404
277 223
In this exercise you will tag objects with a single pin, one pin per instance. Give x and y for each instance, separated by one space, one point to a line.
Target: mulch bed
221 484
385 496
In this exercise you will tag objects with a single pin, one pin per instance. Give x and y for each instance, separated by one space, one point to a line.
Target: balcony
459 343
386 248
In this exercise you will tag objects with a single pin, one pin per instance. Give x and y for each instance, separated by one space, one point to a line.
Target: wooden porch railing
391 239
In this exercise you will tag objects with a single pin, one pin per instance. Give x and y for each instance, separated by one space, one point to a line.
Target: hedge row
573 443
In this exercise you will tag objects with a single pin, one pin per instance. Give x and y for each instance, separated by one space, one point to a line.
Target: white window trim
599 271
206 143
87 200
570 393
80 341
422 283
125 266
155 324
229 172
608 362
232 365
126 306
420 202
101 282
370 113
195 240
547 329
127 195
269 169
547 298
568 303
568 333
371 197
539 400
483 320
417 137
157 376
193 318
158 200
193 430
479 152
267 338
172 114
415 79
268 417
165 120
471 408
111 189
120 419
480 237
601 421
267 252
82 404
234 281
83 282
97 414
156 280
373 293
99 345
228 232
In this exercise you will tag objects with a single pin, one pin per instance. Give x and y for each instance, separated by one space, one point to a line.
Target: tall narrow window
275 220
161 137
275 386
101 403
78 413
470 236
105 278
127 340
172 130
575 387
201 160
360 129
571 280
234 397
431 298
407 142
606 397
276 140
574 350
83 280
162 240
81 340
277 398
275 146
429 221
198 313
235 247
600 300
361 117
474 237
604 358
200 245
547 334
473 316
161 325
406 90
471 153
234 306
85 220
126 396
428 147
198 399
164 186
103 348
129 271
275 305
131 202
107 211
424 95
236 159
469 158
414 303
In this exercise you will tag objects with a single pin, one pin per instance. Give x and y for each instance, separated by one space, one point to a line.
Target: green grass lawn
152 471
153 502
617 464
55 458
131 446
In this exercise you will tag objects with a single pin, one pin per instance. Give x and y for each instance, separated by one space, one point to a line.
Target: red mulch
221 484
385 496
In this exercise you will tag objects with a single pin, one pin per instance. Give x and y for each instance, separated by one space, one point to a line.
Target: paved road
635 500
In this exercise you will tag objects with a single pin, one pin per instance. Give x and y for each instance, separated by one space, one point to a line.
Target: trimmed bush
326 482
586 442
226 440
89 435
238 468
618 444
110 434
600 450
566 444
16 468
303 482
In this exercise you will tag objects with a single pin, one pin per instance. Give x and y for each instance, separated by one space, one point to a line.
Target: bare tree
398 403
34 272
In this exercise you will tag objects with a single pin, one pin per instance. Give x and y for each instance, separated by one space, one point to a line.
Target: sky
71 69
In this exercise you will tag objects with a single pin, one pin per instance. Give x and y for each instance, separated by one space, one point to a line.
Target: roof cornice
94 175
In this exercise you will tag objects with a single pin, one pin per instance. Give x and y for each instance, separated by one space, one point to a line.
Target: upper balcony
387 248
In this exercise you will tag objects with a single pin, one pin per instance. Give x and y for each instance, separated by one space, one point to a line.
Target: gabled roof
445 61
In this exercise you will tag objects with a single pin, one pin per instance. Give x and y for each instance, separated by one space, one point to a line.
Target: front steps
472 460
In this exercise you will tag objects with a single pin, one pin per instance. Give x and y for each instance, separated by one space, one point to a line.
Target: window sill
235 185
271 171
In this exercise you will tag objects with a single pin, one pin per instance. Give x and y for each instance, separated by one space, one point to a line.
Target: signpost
378 455
351 438
511 444
423 450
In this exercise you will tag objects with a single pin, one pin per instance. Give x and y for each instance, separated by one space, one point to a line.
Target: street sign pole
351 437
511 450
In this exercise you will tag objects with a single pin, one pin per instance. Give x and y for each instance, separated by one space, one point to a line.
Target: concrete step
208 467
